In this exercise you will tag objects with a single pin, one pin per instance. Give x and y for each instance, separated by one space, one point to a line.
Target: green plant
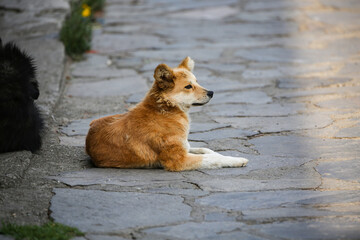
48 231
77 30
96 5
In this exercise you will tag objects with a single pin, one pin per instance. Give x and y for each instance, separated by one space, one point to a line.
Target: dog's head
179 85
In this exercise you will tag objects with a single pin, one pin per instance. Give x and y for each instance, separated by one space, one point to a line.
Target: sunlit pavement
286 77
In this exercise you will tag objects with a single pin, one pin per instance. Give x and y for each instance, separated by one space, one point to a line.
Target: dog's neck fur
155 99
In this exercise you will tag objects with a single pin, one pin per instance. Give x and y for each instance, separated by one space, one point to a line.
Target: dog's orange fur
154 132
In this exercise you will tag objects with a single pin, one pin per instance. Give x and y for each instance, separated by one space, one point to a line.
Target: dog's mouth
198 104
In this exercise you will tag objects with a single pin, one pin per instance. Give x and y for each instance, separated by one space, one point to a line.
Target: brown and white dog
154 133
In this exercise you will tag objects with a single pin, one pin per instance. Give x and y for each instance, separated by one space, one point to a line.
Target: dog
154 133
20 121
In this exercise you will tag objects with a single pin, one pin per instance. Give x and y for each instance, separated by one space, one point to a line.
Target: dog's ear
164 76
187 63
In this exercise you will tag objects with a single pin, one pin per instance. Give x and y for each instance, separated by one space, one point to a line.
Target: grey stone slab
345 170
103 73
325 228
258 110
346 102
289 55
120 177
256 162
77 127
251 96
12 167
41 7
212 13
289 83
276 4
106 88
235 184
350 4
75 141
345 19
103 237
200 30
112 43
349 132
203 127
222 67
96 211
218 84
227 144
249 202
136 97
178 191
193 230
267 16
220 134
278 124
250 74
175 55
306 147
217 217
338 90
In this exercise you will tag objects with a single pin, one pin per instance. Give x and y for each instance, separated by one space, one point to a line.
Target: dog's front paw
236 161
216 160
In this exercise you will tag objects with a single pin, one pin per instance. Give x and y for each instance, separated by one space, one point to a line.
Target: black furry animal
20 120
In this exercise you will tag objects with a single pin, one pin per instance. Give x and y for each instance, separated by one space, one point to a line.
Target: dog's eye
188 86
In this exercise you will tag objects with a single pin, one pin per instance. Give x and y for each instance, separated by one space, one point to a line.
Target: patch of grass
48 231
76 31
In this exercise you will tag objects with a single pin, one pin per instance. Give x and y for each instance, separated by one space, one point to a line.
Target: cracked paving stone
278 124
345 170
220 134
205 230
203 127
120 177
347 102
113 87
94 211
306 147
235 184
253 97
285 203
324 228
349 132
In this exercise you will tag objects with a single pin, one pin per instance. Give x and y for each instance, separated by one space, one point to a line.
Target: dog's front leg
212 161
201 151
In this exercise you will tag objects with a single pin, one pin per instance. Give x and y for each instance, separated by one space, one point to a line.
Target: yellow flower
86 10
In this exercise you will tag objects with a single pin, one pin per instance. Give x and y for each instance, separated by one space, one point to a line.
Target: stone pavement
287 97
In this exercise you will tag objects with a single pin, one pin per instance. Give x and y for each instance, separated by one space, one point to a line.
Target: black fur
20 120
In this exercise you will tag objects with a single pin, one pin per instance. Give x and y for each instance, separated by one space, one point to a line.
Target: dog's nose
210 94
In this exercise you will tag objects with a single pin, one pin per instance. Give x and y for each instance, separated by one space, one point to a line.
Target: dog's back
20 121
